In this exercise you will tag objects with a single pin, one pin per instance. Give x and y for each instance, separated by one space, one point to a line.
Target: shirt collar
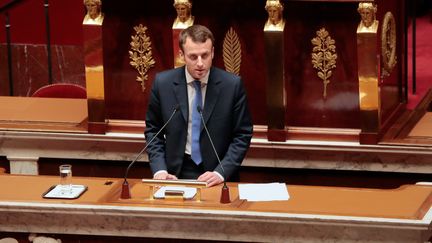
190 79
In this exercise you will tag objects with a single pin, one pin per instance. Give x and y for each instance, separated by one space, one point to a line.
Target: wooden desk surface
406 202
30 113
27 188
423 127
21 109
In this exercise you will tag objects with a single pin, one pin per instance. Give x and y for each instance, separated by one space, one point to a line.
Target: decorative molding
232 52
388 44
324 56
141 54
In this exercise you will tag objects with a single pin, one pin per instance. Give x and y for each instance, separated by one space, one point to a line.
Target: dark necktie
196 124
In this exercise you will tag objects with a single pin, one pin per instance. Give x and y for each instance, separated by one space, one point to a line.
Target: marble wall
30 67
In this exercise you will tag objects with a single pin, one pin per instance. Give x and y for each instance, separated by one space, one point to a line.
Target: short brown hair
198 33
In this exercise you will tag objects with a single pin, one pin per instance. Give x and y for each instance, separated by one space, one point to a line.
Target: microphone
125 193
225 197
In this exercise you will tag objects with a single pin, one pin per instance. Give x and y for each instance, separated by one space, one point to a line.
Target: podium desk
312 214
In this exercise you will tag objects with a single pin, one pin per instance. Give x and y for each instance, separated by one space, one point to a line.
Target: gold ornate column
368 75
184 19
274 59
94 72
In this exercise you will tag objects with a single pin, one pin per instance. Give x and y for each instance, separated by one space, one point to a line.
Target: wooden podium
311 214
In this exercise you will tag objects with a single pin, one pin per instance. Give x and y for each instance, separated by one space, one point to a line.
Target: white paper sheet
263 192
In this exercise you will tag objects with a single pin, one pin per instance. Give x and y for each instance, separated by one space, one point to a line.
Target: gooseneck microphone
225 197
125 193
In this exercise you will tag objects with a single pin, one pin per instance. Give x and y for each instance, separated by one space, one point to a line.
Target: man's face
198 57
182 12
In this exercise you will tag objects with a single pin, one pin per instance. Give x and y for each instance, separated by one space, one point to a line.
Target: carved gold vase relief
140 54
324 56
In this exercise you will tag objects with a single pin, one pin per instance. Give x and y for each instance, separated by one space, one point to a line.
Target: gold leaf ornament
140 54
232 52
388 44
324 56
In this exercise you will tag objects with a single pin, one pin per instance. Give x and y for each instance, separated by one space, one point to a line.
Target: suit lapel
180 91
212 95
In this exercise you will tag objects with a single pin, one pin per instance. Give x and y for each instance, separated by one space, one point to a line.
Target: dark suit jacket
225 112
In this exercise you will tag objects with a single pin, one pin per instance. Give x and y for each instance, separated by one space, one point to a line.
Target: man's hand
164 176
211 178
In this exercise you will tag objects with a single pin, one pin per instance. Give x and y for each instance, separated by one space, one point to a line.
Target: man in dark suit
199 91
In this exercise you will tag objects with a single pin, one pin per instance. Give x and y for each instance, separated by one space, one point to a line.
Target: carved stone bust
94 14
275 21
184 17
368 21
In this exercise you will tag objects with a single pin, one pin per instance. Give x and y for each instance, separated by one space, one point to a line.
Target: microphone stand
125 193
225 196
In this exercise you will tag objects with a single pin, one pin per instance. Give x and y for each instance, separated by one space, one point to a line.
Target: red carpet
423 60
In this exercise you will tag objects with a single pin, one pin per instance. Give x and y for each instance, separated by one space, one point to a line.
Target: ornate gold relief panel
388 44
232 52
140 54
324 56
